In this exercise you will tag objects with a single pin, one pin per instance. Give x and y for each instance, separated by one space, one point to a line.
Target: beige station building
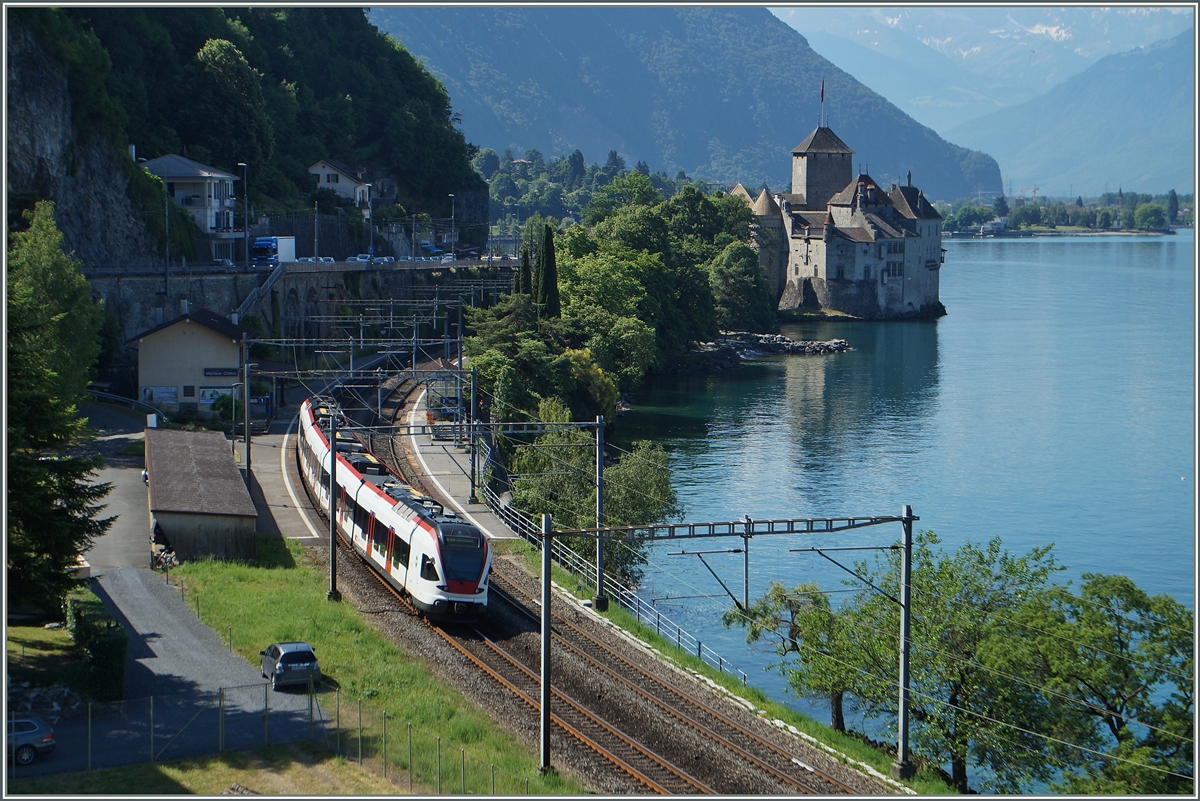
188 362
842 242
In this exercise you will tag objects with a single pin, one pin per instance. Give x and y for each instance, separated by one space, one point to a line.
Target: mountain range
1127 121
721 93
947 65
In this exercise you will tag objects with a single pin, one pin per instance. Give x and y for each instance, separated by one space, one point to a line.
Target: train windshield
463 552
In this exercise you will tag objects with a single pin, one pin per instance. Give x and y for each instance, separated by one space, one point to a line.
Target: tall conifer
526 279
548 303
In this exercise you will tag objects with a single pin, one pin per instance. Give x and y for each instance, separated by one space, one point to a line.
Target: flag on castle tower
822 91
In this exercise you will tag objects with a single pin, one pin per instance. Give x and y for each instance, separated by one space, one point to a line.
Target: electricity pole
903 768
333 594
601 600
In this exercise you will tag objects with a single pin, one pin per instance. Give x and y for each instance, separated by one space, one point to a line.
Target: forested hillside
1128 121
276 88
723 94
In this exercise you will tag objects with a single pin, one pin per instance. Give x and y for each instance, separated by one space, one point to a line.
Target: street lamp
246 220
452 251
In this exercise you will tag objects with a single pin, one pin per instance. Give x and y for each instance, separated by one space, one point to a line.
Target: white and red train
432 556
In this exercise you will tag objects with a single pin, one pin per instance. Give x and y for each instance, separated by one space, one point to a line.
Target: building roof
342 167
209 319
910 202
740 191
822 140
882 226
765 205
194 472
178 167
846 196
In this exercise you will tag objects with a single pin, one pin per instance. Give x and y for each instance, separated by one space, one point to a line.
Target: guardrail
646 613
130 402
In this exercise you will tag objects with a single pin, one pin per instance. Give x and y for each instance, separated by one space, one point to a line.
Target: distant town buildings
842 242
207 193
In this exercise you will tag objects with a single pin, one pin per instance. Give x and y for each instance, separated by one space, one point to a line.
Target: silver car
290 663
29 737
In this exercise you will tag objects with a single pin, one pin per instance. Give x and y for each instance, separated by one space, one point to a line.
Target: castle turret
821 167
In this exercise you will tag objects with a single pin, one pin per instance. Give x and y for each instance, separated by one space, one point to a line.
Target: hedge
103 642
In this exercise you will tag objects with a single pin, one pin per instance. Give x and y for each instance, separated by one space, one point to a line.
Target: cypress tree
548 303
526 279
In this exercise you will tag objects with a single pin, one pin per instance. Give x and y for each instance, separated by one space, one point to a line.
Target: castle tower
821 167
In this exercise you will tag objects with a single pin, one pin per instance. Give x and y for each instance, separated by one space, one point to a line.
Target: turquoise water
1054 404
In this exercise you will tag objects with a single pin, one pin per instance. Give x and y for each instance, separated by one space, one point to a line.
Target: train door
399 557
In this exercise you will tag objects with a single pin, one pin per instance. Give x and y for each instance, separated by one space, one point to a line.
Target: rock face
86 180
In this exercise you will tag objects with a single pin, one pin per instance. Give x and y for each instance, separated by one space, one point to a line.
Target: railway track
761 764
676 702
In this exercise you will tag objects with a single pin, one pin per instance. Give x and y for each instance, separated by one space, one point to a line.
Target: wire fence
646 613
245 717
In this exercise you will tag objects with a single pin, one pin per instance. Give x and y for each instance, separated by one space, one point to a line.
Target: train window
361 518
428 569
324 478
463 552
378 535
400 552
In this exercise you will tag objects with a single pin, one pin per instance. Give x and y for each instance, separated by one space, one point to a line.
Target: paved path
173 657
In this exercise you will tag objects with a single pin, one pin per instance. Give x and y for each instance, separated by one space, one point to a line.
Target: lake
1053 404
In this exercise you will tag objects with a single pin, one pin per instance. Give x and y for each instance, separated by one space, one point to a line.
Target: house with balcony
207 193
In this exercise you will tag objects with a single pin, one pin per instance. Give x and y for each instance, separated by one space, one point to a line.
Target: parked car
29 737
364 256
289 663
352 258
306 259
386 259
448 259
224 263
325 259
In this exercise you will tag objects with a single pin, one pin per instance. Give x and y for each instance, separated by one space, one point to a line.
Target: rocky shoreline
731 348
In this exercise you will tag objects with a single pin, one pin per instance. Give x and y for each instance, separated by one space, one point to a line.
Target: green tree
964 709
549 304
53 341
227 408
741 295
230 116
1149 217
629 189
526 276
1000 206
1125 659
556 475
801 622
1172 206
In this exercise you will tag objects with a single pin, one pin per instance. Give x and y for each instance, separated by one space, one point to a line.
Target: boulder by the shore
731 348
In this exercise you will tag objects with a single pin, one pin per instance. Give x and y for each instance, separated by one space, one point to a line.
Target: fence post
220 719
439 765
360 731
337 719
699 645
385 744
493 778
231 639
89 735
463 783
266 714
152 728
410 764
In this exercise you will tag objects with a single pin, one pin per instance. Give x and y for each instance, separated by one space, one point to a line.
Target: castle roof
882 226
910 202
846 196
765 205
740 191
822 140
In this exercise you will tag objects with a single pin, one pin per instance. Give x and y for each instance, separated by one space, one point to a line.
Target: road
173 657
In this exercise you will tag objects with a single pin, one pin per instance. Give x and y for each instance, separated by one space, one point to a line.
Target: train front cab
449 580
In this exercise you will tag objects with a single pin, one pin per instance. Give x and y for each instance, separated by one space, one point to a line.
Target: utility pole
246 404
246 219
167 227
545 689
316 228
903 768
600 602
333 594
472 434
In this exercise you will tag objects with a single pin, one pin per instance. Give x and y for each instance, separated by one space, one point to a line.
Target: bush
102 641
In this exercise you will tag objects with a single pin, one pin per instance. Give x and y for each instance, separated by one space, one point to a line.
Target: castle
846 244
